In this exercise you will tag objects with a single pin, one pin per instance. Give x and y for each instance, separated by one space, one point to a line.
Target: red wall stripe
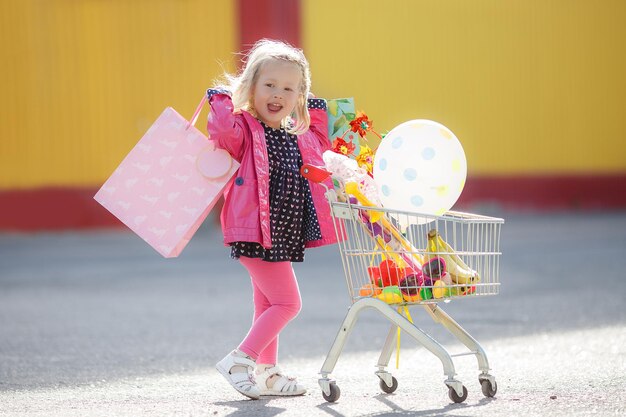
546 192
273 19
52 209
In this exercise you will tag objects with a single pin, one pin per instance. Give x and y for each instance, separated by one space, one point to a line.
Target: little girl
271 213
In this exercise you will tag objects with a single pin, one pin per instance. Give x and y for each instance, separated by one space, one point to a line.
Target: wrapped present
168 183
341 112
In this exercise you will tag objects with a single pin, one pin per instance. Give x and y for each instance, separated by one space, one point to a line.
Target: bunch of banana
458 270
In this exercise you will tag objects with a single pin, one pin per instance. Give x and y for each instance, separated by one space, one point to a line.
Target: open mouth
274 108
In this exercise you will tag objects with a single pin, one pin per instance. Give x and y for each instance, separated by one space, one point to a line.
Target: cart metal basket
397 259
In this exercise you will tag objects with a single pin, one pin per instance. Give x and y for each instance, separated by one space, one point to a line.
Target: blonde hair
242 84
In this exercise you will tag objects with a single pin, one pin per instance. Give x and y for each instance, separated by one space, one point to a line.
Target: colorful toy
368 290
346 170
411 298
434 267
446 278
386 235
459 290
390 273
391 295
459 271
374 274
426 293
410 284
440 289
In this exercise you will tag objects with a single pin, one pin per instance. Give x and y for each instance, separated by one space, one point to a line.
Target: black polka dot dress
293 220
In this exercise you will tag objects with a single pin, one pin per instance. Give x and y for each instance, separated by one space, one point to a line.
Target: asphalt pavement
98 324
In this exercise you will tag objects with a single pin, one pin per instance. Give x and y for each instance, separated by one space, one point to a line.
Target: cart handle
314 173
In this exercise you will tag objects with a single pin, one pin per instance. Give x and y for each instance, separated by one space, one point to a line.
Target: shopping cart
396 259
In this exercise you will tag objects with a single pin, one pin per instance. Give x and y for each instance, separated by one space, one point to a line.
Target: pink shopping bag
168 183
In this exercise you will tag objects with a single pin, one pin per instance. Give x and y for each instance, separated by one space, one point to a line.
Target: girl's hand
311 95
219 90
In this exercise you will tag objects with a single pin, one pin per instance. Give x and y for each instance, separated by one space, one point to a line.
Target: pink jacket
246 212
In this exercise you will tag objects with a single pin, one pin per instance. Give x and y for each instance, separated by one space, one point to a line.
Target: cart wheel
488 390
335 392
455 397
389 389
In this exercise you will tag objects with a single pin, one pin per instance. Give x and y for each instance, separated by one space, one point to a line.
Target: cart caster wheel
389 389
455 397
335 392
488 390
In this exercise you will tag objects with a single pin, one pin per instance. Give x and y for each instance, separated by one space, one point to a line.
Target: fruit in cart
368 290
411 298
459 290
426 293
459 271
374 274
390 273
440 289
456 290
391 295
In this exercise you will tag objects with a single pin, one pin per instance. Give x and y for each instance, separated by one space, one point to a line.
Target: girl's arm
319 121
222 125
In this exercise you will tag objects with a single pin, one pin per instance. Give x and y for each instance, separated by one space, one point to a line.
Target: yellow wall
528 86
81 80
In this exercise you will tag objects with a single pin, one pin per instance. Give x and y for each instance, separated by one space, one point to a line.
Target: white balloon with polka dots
420 167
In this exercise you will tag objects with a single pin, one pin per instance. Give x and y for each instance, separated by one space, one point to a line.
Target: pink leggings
276 302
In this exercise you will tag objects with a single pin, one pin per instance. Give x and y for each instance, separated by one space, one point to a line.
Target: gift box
168 183
340 112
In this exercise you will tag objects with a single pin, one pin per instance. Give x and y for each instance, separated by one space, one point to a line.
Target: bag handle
194 118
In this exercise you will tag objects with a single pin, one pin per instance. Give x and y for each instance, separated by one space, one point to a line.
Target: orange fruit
368 290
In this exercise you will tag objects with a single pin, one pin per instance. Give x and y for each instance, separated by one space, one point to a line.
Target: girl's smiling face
276 91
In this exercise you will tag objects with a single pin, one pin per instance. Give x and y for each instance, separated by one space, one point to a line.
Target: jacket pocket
242 204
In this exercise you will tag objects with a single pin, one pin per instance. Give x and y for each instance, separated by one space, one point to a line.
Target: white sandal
283 386
241 381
